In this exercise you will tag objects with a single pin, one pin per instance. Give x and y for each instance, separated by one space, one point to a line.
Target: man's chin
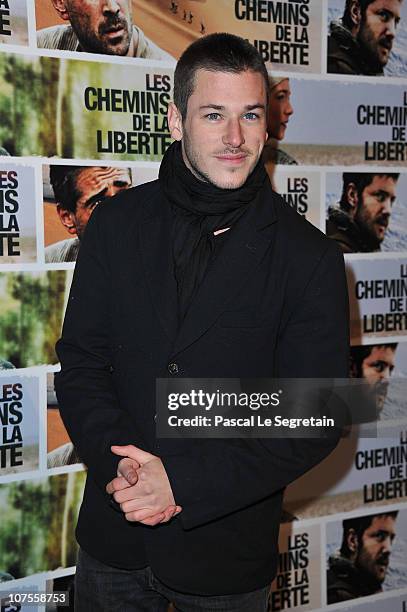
230 182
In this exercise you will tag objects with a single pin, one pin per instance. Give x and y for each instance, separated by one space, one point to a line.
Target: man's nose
387 206
234 134
385 375
110 6
387 544
391 29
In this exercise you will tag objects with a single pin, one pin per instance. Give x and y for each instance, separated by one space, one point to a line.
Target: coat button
173 368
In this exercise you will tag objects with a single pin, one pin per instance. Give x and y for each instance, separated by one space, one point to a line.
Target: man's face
102 26
225 128
376 370
93 185
374 550
374 210
378 29
280 110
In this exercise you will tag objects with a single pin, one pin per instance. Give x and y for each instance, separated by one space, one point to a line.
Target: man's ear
67 219
174 121
352 542
355 15
352 198
59 6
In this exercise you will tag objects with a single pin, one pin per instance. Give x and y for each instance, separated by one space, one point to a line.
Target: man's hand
142 487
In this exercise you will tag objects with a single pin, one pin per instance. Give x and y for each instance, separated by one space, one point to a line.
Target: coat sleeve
233 474
84 386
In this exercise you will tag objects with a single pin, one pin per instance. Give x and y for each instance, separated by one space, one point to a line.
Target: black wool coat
274 303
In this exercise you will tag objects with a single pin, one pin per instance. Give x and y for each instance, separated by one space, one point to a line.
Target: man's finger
153 520
133 452
141 515
117 484
129 473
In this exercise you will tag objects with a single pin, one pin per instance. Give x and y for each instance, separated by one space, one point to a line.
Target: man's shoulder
298 237
343 51
62 251
57 37
131 204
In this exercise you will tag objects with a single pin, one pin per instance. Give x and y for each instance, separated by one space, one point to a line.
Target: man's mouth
383 224
113 30
232 158
386 44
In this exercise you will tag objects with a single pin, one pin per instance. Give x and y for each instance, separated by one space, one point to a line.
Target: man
359 568
360 42
375 365
99 26
203 282
359 223
78 190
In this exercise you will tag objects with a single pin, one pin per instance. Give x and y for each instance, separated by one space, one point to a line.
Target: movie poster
37 529
286 34
392 36
384 368
359 472
377 296
18 242
116 31
32 306
13 22
298 580
366 555
19 420
302 191
83 109
60 450
14 594
397 603
61 584
366 212
372 119
70 195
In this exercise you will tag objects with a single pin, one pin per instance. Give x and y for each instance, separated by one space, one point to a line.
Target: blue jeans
101 588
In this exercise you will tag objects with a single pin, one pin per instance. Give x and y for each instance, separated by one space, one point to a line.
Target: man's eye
385 15
251 116
213 116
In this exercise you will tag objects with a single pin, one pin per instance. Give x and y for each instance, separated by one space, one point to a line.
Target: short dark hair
359 524
360 180
359 353
63 181
219 52
347 18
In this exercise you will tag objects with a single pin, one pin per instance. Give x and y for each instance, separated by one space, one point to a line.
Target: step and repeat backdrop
84 90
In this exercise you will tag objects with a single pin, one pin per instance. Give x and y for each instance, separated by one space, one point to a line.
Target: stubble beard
95 43
195 166
370 48
366 227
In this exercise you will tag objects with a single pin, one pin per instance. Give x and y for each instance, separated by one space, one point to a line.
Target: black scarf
199 208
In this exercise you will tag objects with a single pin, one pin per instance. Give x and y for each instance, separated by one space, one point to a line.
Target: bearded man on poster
361 41
213 275
99 27
360 566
